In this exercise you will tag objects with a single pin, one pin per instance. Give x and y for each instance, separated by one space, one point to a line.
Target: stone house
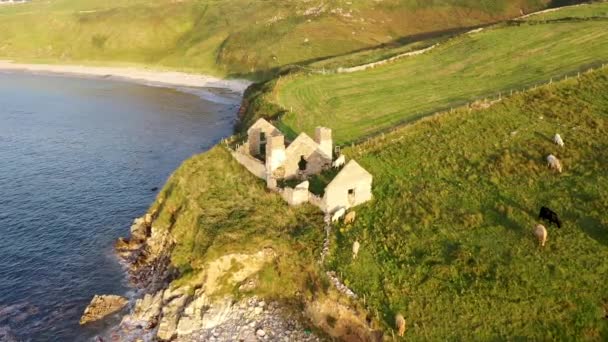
351 187
267 155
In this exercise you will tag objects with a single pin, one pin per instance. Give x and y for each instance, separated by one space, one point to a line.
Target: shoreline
132 74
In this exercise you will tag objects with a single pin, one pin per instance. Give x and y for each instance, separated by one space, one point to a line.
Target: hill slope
448 239
229 37
463 69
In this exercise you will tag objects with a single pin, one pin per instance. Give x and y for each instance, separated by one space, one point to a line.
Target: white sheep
339 161
541 234
558 140
338 214
356 246
554 163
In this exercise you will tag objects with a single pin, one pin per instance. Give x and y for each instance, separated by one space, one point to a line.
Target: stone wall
317 202
250 163
295 196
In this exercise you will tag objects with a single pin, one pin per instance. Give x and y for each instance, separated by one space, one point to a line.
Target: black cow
549 215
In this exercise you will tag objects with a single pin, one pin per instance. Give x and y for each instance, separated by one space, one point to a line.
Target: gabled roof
302 139
352 169
264 126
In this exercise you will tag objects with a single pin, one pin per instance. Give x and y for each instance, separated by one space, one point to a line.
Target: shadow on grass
544 137
594 229
560 3
502 219
270 72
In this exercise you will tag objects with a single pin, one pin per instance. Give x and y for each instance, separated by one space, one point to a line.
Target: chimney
323 138
275 152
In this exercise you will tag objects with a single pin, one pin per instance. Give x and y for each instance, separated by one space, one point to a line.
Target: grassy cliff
448 239
231 37
212 206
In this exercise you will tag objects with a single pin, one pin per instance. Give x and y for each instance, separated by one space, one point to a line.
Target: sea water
79 160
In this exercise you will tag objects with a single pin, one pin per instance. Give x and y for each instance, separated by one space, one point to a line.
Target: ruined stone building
267 155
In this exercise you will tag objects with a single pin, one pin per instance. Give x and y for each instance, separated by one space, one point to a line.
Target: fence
485 100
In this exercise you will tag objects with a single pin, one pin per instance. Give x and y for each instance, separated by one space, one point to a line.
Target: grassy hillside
230 37
463 69
448 239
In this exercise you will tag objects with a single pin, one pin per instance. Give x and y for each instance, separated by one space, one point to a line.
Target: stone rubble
325 251
195 314
251 320
339 286
331 274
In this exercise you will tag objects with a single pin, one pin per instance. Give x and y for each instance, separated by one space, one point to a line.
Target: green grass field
466 68
448 239
228 38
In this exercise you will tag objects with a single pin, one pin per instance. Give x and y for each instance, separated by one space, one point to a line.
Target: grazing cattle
558 140
400 324
541 234
554 163
350 217
356 246
339 161
549 215
338 214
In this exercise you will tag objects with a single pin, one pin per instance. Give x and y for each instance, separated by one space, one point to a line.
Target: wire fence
484 101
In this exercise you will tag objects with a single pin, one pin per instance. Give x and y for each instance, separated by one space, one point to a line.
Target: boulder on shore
101 306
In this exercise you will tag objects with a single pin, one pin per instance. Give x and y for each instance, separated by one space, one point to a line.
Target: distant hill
231 37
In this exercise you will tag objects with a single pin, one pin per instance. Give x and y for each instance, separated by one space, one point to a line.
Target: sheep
541 234
550 215
350 217
558 140
400 323
339 161
338 214
554 163
356 246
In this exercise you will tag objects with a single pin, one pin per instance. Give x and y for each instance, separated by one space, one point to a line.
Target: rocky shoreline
189 313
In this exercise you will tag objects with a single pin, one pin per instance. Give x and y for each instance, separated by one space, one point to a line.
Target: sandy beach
140 75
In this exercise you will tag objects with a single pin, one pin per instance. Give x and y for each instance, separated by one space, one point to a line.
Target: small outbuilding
351 187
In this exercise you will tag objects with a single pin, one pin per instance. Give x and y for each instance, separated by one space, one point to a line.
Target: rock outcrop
174 315
200 310
102 306
147 255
